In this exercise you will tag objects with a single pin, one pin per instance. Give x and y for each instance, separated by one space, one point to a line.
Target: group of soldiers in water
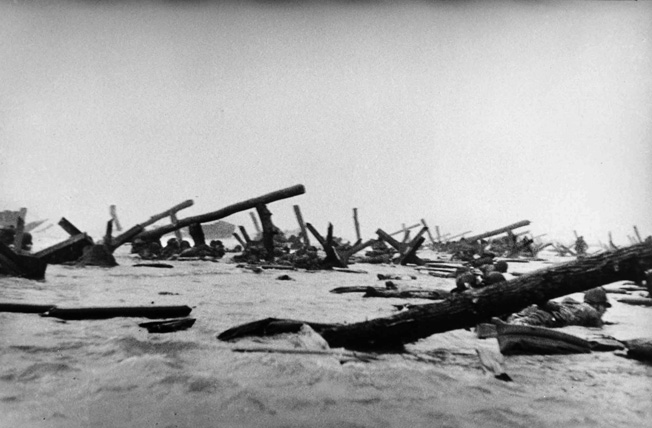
484 270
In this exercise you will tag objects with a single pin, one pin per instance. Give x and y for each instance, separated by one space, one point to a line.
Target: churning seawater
112 373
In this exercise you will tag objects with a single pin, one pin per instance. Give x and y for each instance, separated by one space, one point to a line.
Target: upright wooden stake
197 234
20 229
114 216
638 235
108 236
302 225
177 232
268 230
358 237
576 235
438 235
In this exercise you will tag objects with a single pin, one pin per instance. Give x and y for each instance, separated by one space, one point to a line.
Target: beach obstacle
157 233
407 250
465 310
95 313
22 265
302 225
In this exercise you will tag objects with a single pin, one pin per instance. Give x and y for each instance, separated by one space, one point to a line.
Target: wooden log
350 289
168 326
467 309
356 224
423 222
25 308
139 229
638 235
226 211
96 313
69 227
406 294
268 230
498 231
66 251
302 225
114 216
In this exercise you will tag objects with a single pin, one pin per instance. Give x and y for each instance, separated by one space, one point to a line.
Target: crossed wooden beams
407 250
336 257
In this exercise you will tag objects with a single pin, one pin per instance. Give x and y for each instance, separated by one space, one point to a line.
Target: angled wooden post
255 221
432 240
139 228
69 227
333 257
438 235
611 242
409 254
404 229
225 212
638 235
237 237
302 225
245 235
356 224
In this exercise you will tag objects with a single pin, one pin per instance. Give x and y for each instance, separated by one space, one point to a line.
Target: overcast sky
470 115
